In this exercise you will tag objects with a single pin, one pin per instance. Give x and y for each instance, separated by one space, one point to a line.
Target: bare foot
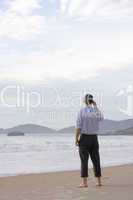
99 182
99 185
83 185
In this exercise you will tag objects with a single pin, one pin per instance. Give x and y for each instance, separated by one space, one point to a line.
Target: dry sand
118 185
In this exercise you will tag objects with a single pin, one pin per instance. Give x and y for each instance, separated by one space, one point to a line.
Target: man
87 125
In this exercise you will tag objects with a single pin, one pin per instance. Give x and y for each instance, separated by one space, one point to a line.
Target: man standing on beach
87 125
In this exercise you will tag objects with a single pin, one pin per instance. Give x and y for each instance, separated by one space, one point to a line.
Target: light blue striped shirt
88 120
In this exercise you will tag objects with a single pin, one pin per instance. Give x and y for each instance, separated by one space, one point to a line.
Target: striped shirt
88 120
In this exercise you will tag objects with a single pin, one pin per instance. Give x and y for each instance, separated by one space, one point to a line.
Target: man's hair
88 99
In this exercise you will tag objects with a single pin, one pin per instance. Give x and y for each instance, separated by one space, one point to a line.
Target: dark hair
88 99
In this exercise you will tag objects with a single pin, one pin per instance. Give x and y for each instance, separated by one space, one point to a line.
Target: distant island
16 133
128 131
28 128
107 127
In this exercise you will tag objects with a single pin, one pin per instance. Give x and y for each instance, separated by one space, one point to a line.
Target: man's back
88 119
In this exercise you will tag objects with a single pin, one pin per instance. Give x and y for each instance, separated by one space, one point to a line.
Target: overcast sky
61 49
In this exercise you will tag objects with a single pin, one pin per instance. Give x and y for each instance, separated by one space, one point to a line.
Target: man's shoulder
82 109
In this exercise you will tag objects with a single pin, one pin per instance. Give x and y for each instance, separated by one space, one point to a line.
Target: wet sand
117 185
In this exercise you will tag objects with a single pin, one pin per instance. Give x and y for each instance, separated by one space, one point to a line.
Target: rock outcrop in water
15 133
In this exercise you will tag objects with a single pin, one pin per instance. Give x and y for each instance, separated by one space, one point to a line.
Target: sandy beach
117 184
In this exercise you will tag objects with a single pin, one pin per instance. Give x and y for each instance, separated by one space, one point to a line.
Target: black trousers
89 146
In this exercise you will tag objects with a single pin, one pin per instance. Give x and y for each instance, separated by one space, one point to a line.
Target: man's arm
78 128
98 112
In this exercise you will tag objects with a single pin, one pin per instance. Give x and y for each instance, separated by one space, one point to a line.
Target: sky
58 50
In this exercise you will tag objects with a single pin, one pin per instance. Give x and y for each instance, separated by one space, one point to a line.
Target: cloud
98 8
63 5
24 7
20 22
70 64
24 20
79 52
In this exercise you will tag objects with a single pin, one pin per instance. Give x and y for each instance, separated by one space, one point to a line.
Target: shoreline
61 171
117 184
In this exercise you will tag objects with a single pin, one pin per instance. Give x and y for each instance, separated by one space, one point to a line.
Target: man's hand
94 103
77 143
77 136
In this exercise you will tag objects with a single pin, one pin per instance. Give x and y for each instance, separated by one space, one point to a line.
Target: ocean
37 153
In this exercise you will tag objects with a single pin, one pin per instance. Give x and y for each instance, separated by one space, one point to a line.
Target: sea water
37 153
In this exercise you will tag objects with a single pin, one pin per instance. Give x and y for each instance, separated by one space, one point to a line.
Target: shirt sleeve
79 120
99 114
